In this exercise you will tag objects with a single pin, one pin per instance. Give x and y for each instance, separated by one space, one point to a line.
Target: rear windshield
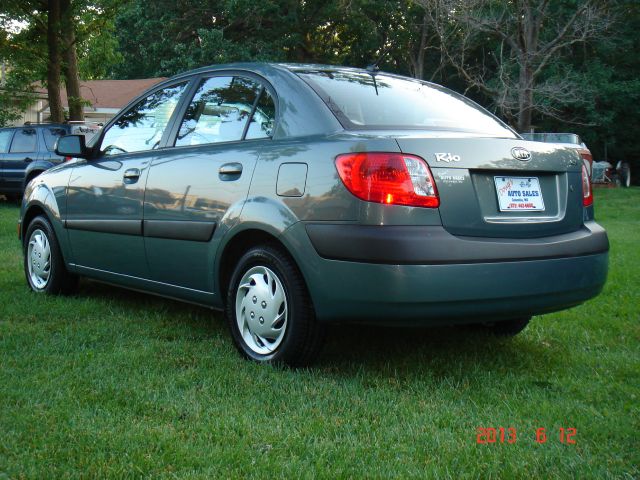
364 101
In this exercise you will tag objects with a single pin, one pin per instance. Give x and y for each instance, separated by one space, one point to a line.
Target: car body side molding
171 229
179 230
123 227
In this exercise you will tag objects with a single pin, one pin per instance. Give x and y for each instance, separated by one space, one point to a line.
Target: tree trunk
70 65
417 63
530 24
525 100
53 64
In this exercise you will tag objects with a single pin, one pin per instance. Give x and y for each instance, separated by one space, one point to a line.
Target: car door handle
132 174
230 169
28 160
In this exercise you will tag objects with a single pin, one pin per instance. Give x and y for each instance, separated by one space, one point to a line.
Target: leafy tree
165 37
20 64
24 53
97 48
43 21
611 69
515 52
44 49
552 65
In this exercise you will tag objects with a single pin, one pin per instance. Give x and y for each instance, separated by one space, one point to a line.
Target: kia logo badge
520 153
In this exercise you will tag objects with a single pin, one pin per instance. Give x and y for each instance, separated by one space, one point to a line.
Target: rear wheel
43 263
269 310
506 328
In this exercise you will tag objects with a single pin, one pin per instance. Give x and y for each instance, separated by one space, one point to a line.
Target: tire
43 263
506 328
269 311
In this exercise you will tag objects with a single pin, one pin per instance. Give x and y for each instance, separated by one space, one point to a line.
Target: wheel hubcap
39 259
261 310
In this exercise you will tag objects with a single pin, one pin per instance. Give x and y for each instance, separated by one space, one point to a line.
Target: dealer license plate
519 193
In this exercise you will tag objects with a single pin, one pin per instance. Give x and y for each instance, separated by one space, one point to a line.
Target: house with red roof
104 98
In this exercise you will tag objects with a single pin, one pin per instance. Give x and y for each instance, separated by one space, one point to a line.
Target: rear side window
25 140
220 110
51 136
264 117
5 140
366 101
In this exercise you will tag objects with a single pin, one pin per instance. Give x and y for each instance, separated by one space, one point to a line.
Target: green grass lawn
112 383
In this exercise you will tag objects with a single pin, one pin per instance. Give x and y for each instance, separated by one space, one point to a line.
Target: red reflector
66 159
390 178
587 192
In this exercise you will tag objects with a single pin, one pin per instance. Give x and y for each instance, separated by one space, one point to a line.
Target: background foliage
590 86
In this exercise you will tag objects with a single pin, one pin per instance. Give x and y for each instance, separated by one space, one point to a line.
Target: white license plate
519 193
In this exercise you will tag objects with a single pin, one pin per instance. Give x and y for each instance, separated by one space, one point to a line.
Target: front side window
5 140
25 140
219 111
141 128
366 101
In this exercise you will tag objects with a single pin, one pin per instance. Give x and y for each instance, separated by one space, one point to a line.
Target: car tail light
587 192
587 159
66 159
391 178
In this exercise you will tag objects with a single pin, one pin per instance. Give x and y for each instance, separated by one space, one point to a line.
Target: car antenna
374 68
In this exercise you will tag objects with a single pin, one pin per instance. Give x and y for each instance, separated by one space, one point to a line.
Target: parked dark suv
27 151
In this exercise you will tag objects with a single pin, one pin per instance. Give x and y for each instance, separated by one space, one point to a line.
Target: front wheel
43 263
269 310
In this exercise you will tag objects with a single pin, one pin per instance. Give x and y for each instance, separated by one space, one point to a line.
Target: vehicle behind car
600 172
28 150
570 140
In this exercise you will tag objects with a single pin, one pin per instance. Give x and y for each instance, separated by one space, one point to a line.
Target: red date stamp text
509 435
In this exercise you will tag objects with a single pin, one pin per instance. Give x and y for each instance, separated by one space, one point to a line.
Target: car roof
268 67
40 125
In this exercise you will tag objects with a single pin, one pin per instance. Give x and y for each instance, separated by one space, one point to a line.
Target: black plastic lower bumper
427 245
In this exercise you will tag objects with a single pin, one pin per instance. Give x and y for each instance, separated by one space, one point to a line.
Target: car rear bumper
433 245
459 285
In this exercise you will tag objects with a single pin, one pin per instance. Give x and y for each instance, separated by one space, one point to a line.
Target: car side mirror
72 146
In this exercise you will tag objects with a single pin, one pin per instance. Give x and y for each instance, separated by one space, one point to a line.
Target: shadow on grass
350 349
195 322
441 351
10 201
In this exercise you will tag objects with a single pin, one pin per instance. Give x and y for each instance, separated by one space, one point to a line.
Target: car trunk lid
490 187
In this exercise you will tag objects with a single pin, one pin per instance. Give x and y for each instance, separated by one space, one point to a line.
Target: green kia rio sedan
293 196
